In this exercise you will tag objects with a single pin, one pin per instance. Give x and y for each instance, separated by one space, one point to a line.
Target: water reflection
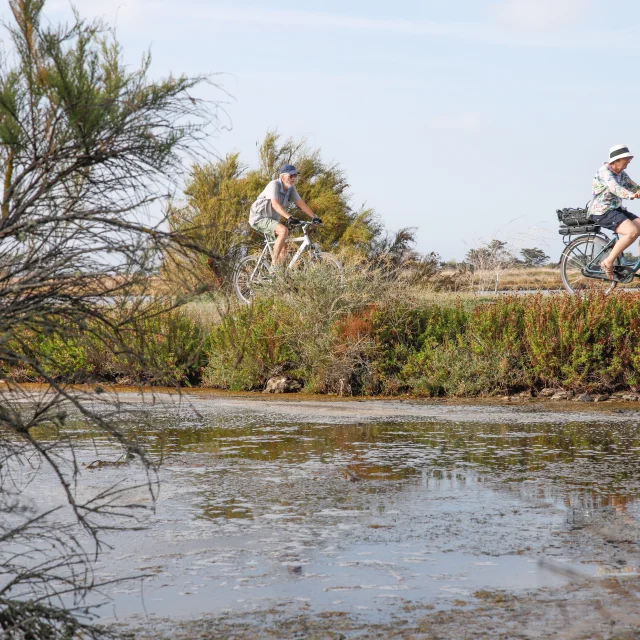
254 507
586 465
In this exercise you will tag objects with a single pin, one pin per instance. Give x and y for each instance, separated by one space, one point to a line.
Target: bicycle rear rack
587 229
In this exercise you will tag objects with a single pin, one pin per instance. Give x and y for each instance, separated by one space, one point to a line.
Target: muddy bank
606 609
290 519
557 398
550 400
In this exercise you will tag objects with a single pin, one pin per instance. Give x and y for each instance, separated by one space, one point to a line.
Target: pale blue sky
467 119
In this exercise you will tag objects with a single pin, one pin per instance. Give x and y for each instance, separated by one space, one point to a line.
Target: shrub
246 347
163 348
368 341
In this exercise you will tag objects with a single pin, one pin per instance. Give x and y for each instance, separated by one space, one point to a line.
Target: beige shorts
267 227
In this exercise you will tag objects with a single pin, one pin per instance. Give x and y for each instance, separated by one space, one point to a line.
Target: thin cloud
121 12
541 14
508 13
255 15
480 33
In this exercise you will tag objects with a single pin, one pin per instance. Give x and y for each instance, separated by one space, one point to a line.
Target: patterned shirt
609 189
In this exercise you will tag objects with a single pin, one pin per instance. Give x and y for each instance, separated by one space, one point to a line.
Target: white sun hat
619 152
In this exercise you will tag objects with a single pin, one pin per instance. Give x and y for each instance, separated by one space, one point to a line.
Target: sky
468 119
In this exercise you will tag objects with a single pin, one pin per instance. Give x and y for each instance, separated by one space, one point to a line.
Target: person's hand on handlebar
293 220
316 220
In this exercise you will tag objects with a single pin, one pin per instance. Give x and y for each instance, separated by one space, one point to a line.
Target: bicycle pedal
623 274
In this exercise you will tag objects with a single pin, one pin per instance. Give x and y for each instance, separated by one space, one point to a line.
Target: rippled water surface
358 506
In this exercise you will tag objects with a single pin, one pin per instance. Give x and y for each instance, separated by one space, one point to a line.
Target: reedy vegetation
398 343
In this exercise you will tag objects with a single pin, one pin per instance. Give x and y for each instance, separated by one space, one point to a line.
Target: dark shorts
614 218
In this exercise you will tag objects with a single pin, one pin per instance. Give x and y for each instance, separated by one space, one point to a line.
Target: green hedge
503 346
459 349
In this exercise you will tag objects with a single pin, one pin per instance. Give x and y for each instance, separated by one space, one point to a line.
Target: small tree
86 146
488 261
534 257
492 255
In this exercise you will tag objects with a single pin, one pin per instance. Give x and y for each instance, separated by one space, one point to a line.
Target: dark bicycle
580 263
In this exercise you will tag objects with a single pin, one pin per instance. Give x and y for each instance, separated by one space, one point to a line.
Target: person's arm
628 183
617 189
303 206
278 208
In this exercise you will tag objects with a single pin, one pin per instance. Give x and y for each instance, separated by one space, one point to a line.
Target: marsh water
369 507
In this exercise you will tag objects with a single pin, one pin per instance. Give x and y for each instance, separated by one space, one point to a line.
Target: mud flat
377 519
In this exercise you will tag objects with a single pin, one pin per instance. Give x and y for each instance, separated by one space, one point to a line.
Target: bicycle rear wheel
578 254
250 274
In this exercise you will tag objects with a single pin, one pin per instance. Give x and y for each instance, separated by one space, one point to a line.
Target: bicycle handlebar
302 223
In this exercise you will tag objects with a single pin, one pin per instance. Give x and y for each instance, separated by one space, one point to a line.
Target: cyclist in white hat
611 186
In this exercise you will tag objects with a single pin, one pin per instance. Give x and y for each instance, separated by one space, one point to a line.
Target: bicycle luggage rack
575 222
566 232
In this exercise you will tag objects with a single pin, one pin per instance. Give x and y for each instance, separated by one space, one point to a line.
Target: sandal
608 270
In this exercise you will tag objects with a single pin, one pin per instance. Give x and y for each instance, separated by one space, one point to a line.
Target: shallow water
358 506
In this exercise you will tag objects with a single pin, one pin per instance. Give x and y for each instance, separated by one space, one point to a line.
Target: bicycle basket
573 217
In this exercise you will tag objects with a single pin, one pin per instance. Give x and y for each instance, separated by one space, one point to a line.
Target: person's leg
636 221
279 252
267 227
628 232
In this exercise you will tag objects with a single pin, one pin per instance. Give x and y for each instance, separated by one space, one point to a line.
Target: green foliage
309 324
164 348
534 257
390 346
360 340
580 344
403 330
71 89
216 206
247 347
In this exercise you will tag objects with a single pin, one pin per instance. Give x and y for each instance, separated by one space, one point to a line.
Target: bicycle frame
305 243
304 240
593 269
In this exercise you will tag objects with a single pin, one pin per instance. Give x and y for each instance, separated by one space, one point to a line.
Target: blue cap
288 168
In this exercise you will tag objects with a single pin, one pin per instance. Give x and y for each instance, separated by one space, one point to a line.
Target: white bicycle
256 271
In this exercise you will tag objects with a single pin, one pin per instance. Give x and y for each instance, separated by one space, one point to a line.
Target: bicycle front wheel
578 254
250 274
332 264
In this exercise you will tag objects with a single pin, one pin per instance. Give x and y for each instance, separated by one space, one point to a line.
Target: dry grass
532 279
516 279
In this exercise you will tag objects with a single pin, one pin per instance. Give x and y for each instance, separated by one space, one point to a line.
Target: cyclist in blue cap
271 206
